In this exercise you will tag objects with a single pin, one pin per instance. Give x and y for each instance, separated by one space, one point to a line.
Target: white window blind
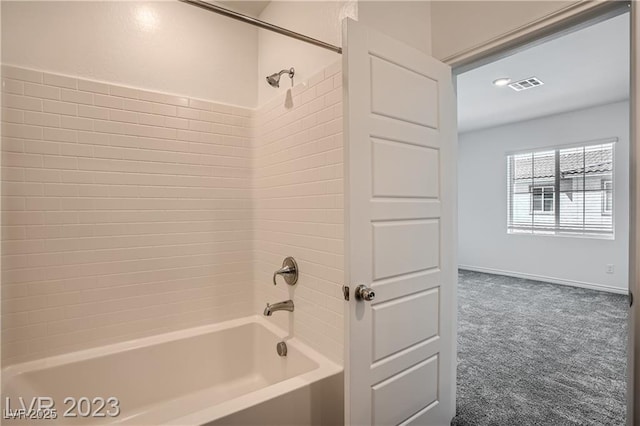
562 191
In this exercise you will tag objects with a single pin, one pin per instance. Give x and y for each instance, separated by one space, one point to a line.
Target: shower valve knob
289 271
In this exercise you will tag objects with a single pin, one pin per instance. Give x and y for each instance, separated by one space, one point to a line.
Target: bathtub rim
325 367
113 348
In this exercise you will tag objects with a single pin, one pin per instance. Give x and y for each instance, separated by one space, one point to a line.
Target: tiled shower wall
128 213
125 213
298 202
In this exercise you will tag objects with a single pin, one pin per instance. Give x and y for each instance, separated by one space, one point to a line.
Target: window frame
558 230
543 193
607 193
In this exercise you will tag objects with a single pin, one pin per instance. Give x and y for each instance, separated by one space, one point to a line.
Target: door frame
567 20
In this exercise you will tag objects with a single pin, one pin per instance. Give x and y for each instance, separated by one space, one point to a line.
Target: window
562 191
542 199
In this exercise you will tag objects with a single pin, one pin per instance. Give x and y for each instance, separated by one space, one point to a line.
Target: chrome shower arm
290 71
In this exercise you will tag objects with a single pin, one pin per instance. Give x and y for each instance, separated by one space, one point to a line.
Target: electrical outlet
609 268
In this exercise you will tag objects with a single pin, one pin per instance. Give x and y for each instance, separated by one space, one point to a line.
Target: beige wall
125 213
406 21
298 196
460 25
166 46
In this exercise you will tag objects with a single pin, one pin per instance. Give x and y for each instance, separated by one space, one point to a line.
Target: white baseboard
552 280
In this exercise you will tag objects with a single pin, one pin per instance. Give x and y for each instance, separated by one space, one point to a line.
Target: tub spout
280 306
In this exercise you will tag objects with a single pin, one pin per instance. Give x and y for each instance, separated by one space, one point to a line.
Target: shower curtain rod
262 24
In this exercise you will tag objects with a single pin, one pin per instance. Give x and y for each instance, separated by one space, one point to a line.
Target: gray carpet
533 353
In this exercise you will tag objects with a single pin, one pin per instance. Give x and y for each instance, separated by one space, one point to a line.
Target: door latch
345 292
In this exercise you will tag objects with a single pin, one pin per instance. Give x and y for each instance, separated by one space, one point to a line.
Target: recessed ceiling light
502 81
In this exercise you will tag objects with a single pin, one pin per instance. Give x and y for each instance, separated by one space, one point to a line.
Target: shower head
274 79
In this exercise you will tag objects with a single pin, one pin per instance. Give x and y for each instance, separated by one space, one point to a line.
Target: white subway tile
42 203
151 119
11 115
58 162
198 104
76 150
60 81
41 119
41 175
200 126
76 123
21 102
58 190
124 92
324 87
138 106
164 109
163 98
60 135
124 116
74 96
23 74
88 111
12 86
21 131
64 108
242 112
107 101
193 114
13 144
41 91
337 80
224 109
93 86
176 123
41 147
72 176
15 159
93 138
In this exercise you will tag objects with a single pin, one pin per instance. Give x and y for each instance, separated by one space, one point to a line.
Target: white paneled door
399 170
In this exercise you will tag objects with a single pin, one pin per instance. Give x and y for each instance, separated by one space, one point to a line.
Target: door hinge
630 299
345 292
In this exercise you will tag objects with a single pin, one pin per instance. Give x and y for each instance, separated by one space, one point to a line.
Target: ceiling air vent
527 83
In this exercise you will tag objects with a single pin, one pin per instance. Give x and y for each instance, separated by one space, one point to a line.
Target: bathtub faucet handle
289 271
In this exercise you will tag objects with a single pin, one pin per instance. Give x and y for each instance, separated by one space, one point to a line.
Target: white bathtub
227 373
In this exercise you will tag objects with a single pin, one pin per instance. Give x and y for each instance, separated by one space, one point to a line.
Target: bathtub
226 373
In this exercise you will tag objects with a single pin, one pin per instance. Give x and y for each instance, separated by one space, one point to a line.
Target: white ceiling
585 68
251 8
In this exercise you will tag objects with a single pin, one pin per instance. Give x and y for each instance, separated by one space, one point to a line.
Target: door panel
399 164
401 314
419 103
391 181
404 247
395 287
406 393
